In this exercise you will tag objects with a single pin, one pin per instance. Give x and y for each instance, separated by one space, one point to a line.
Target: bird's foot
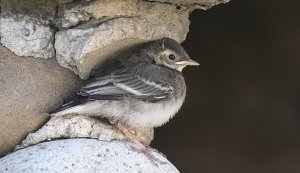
145 149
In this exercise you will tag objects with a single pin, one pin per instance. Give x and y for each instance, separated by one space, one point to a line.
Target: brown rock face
29 87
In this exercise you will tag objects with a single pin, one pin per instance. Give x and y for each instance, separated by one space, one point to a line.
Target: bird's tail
64 107
72 104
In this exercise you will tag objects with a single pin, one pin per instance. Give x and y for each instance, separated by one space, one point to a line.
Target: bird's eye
172 57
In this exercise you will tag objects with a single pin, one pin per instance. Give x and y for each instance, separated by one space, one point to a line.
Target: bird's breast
153 114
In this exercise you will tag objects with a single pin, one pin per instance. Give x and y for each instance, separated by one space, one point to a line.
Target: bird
142 90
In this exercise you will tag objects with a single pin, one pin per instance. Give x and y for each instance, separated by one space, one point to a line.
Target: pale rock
26 27
99 26
80 126
84 155
25 37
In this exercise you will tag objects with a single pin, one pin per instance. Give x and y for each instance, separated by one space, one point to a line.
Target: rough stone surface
27 38
29 87
83 33
25 27
83 155
113 25
43 11
80 127
96 30
202 4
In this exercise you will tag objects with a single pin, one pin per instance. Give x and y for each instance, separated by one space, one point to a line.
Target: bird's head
170 53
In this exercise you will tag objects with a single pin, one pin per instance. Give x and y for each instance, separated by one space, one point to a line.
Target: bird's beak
187 62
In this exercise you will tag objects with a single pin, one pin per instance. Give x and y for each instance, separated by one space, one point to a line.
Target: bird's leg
130 135
138 142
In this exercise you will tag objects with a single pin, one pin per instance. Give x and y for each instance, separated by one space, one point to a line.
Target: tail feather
78 100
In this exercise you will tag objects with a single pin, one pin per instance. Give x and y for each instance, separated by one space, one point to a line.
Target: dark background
242 111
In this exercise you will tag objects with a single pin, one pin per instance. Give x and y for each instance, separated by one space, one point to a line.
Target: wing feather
125 84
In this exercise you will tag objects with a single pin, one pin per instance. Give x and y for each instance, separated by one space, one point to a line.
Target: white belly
136 114
154 114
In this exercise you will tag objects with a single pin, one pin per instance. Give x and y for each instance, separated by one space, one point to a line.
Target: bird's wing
125 83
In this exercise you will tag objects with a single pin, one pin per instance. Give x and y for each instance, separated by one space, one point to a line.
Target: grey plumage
144 89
